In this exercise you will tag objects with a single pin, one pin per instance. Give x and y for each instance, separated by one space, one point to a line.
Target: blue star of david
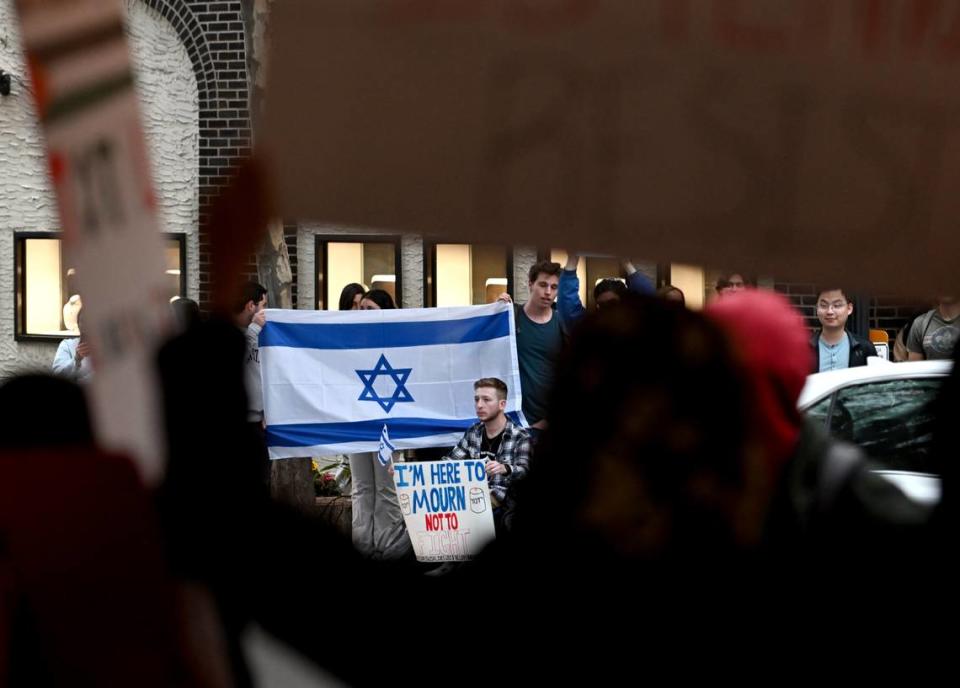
399 375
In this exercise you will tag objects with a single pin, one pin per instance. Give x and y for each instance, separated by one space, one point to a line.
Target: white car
884 408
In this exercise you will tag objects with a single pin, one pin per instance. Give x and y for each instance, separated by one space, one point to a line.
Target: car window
891 420
818 412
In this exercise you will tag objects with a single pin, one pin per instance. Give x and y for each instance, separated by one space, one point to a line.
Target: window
47 298
818 412
891 420
372 262
466 274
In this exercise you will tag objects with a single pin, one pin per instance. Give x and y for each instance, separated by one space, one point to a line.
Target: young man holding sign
503 446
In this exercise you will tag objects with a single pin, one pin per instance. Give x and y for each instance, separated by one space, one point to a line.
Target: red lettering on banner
441 522
527 15
436 10
675 19
734 31
876 17
547 16
948 49
877 29
436 522
919 18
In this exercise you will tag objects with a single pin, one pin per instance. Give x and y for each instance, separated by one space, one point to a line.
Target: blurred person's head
375 300
658 465
252 300
350 297
672 293
773 346
833 309
732 283
608 291
43 411
489 398
186 312
544 281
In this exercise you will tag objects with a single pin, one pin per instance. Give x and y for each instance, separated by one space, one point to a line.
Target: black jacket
860 349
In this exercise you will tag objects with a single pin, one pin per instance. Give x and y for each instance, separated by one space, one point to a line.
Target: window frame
322 256
20 296
430 267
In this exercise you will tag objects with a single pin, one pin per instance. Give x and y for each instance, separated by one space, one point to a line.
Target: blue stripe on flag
380 335
326 434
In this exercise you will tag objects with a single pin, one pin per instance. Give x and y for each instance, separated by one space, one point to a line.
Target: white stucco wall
168 92
523 259
171 118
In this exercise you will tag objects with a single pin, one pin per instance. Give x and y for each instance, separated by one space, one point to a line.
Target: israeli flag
385 453
333 379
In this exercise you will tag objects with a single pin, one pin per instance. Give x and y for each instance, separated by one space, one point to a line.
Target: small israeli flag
385 454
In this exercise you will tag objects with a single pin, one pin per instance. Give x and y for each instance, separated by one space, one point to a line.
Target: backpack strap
927 320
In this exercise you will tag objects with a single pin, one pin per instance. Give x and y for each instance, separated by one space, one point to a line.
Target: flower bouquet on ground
331 476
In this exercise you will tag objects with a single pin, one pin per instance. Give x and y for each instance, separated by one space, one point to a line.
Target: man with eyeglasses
834 348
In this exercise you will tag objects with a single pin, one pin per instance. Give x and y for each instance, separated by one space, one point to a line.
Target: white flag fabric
333 379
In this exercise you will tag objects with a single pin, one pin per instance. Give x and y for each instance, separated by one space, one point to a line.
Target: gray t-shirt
933 336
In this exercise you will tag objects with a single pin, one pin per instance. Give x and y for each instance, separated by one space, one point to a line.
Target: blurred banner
788 137
85 99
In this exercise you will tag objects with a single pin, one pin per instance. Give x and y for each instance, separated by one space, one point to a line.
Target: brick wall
889 312
803 296
885 312
213 34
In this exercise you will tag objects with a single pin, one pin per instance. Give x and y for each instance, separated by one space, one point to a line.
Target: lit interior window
467 274
371 264
690 280
48 296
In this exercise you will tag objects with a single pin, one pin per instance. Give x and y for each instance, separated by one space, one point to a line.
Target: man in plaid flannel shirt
504 447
